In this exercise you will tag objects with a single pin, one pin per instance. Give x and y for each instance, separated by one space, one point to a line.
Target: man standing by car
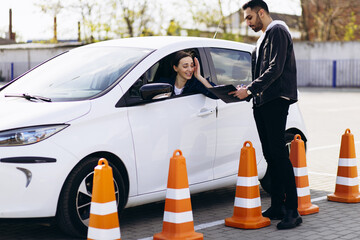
273 89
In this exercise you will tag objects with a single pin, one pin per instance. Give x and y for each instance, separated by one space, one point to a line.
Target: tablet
222 92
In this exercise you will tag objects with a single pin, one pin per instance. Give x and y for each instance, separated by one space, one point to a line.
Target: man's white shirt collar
261 38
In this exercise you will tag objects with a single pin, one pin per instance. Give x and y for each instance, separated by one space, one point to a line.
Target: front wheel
75 199
265 181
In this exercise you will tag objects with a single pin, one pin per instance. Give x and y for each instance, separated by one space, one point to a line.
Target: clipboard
222 92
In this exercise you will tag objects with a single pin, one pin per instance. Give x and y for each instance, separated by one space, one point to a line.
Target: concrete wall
327 50
18 58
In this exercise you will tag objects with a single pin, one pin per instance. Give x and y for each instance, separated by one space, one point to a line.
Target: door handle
206 111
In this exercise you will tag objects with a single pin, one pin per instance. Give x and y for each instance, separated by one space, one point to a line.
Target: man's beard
258 24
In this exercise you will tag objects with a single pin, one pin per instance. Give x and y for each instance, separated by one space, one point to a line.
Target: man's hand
241 93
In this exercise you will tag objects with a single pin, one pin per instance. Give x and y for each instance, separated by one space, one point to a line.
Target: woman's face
185 69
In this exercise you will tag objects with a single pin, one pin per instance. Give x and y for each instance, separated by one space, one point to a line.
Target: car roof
158 42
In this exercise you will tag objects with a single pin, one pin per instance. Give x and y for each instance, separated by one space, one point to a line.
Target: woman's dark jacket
274 74
191 86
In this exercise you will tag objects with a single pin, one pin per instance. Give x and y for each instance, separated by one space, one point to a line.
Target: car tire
265 182
75 199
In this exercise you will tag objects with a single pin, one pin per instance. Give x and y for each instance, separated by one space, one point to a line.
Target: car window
161 69
231 66
165 68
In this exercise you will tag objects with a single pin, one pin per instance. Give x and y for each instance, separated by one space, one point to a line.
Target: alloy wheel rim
83 198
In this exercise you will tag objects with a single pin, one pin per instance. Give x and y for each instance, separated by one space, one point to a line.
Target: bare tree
85 9
216 15
222 16
305 12
53 7
208 13
327 20
135 15
98 19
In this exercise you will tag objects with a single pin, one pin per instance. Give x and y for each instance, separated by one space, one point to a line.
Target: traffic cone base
245 220
247 206
178 231
298 160
344 199
346 194
347 182
306 207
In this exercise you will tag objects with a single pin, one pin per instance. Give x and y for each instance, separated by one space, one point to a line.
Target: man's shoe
275 213
292 219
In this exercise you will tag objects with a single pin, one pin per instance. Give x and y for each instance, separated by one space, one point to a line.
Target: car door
235 122
159 128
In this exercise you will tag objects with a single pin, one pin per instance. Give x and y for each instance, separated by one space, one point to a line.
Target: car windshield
79 74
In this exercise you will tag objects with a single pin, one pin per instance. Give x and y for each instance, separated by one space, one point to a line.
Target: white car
100 101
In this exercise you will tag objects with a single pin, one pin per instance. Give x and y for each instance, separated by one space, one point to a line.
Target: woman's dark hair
178 56
256 4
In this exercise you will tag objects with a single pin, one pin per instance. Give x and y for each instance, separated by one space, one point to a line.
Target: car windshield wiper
29 97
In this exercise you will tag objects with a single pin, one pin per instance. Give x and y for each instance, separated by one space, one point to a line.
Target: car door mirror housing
156 91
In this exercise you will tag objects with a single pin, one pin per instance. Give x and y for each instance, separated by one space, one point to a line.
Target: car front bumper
31 189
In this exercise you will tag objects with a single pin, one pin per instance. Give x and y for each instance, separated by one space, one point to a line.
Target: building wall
18 58
327 50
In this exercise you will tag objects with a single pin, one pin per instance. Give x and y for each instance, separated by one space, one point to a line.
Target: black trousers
270 121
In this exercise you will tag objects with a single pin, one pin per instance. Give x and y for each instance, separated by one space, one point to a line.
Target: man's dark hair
256 4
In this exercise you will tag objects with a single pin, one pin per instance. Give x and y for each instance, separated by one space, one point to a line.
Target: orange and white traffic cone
104 221
178 218
298 160
347 182
247 207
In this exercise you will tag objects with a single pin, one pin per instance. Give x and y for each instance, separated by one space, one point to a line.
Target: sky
29 23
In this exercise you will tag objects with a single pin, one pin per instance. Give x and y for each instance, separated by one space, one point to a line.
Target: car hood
16 113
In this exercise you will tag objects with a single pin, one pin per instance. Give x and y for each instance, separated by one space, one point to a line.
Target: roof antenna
217 29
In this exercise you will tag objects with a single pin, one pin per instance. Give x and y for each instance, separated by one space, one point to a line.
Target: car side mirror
156 91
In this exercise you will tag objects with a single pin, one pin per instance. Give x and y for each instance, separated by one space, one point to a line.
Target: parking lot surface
327 114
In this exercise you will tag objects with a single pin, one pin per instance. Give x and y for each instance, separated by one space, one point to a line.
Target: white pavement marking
323 174
221 222
319 199
207 225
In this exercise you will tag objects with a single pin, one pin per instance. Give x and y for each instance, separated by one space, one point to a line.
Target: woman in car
186 77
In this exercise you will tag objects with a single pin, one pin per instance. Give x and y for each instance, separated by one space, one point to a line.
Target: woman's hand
197 68
198 75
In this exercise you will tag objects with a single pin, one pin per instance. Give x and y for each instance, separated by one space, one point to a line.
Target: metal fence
310 73
328 73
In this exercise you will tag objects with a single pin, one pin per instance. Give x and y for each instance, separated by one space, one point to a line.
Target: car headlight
28 135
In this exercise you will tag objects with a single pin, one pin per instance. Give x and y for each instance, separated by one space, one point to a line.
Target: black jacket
274 74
